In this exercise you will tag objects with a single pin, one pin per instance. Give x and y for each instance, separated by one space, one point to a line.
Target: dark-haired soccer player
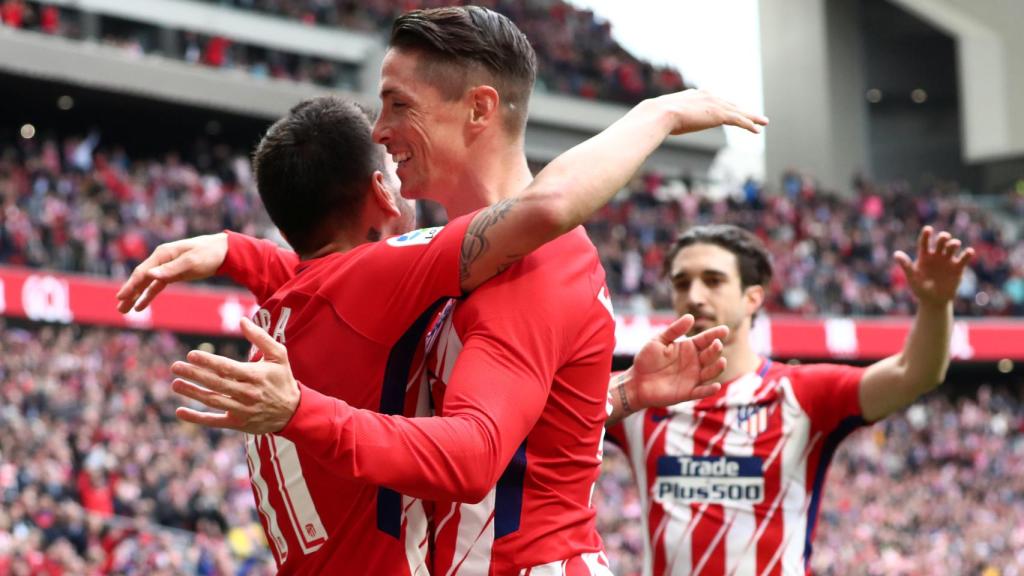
731 484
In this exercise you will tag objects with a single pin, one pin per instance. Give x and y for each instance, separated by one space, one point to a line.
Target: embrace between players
435 401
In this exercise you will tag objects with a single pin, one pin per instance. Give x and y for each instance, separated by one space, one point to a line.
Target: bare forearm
622 398
588 175
926 351
897 381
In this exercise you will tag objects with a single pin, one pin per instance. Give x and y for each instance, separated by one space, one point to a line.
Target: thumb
273 351
905 262
676 329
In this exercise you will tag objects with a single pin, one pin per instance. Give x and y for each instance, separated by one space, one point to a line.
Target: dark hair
753 260
457 41
313 169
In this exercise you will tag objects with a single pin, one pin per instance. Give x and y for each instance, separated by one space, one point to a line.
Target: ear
753 299
382 195
484 104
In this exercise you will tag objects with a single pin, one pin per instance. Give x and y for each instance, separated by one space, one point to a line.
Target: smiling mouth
401 158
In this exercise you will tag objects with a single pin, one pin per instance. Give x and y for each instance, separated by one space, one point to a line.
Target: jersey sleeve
496 394
398 278
260 266
828 393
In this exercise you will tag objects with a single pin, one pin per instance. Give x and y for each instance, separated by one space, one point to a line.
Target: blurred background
127 124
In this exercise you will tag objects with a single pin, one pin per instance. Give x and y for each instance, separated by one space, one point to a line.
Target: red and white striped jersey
534 346
732 484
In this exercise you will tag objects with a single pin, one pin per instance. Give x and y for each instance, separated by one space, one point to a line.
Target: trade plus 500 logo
710 479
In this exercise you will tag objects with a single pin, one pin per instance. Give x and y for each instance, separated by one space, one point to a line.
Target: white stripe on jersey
416 542
280 545
797 499
595 562
295 492
476 536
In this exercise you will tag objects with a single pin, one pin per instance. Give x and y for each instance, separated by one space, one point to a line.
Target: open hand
190 259
254 397
667 371
935 275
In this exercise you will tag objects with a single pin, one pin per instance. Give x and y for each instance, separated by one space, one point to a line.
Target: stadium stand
83 205
97 474
575 50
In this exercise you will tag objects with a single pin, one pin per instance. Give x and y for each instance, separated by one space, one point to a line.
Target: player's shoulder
818 373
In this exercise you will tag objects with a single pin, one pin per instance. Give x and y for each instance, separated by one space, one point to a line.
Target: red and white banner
51 297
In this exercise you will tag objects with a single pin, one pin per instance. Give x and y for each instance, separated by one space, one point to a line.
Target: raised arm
895 382
578 182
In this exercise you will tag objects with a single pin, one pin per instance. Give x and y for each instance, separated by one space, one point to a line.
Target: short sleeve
396 280
828 393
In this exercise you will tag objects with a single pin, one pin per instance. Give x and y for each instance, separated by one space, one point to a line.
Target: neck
739 355
484 183
343 242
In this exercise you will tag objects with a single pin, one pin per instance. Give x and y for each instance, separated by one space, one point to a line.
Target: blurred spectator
98 477
72 206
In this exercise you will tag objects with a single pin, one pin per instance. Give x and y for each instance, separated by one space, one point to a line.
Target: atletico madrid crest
752 419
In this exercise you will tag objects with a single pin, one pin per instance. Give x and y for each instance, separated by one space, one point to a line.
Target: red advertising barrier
52 297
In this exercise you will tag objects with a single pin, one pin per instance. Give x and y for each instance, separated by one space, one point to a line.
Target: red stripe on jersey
706 544
655 425
446 514
769 522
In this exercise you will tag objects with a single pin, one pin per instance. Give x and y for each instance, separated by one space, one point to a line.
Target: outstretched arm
258 265
584 178
455 457
668 370
894 383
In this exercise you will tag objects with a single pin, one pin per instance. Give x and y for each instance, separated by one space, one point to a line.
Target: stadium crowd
82 205
97 476
575 50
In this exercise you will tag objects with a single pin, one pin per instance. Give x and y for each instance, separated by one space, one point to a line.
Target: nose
696 294
380 132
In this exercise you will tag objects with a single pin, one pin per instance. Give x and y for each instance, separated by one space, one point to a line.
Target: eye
396 105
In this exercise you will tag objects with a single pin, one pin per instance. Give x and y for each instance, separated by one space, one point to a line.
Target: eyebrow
706 272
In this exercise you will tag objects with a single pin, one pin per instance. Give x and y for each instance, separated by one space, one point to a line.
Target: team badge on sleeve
421 236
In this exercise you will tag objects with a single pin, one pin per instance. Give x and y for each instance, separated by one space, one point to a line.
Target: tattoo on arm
620 383
475 244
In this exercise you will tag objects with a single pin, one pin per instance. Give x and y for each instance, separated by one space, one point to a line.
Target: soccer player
522 362
335 299
731 484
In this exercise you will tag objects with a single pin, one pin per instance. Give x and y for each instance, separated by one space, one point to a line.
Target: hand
667 372
256 397
696 110
190 259
935 275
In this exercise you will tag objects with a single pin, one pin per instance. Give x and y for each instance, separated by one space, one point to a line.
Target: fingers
713 370
217 373
676 329
705 390
905 262
705 338
924 240
741 120
940 243
208 419
177 269
155 288
708 356
205 396
964 259
274 351
951 248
